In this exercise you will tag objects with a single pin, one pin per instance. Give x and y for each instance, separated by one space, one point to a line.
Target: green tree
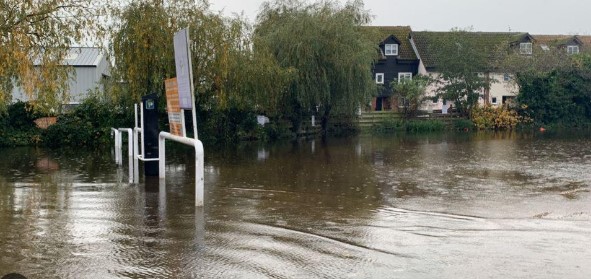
35 36
554 86
326 49
463 65
562 95
142 36
412 92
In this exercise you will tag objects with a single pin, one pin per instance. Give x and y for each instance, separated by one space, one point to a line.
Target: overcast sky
533 16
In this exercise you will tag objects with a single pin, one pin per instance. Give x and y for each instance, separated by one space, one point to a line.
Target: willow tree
142 36
227 73
326 48
35 36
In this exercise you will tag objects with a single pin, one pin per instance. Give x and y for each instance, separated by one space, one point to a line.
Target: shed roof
81 57
84 56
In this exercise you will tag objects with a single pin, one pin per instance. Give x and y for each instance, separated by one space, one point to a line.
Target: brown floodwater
474 205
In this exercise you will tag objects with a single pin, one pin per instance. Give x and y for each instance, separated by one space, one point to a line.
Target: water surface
487 205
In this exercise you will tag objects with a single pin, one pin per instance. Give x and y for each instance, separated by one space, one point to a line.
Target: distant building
404 53
91 71
397 60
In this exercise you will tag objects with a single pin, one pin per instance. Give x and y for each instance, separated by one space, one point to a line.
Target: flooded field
488 205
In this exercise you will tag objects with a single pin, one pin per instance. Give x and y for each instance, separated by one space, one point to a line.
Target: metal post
129 151
117 136
136 166
199 161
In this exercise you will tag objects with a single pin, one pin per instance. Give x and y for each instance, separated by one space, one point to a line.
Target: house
397 60
501 89
91 69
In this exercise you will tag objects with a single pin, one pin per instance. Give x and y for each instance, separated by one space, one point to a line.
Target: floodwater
490 205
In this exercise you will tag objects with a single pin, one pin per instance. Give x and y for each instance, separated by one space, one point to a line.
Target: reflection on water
431 206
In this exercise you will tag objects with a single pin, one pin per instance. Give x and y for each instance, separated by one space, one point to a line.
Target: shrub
463 124
488 117
424 126
414 126
88 124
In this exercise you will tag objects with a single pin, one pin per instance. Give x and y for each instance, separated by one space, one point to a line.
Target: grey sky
533 16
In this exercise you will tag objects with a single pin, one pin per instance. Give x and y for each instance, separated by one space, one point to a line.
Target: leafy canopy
35 37
325 47
462 63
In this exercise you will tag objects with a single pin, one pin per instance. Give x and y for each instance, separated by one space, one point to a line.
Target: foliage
498 118
558 97
325 47
17 127
89 124
412 92
463 124
142 47
228 72
461 67
413 126
41 33
233 125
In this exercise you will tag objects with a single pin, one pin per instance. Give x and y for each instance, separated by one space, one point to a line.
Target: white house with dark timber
91 70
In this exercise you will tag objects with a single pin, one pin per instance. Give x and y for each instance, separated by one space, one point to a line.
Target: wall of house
431 91
501 88
391 67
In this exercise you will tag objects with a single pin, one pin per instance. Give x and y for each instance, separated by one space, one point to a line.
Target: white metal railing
118 149
199 161
136 153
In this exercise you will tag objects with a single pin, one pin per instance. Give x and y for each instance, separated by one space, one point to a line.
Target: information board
175 115
183 68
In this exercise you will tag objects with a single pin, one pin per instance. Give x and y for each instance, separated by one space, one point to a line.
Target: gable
395 34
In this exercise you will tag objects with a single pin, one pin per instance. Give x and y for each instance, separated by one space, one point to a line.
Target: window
404 76
506 77
391 49
572 49
525 48
494 100
435 100
380 78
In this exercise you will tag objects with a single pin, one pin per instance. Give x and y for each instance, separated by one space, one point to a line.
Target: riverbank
89 124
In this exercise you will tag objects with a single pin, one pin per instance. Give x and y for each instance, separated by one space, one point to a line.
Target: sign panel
183 68
175 115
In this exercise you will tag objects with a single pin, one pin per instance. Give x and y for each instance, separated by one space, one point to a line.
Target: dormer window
525 48
391 49
572 49
379 78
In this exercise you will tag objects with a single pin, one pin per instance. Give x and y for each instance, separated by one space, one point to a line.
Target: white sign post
184 71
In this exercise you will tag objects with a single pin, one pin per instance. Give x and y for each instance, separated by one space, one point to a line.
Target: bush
88 124
424 126
488 117
17 127
414 126
463 124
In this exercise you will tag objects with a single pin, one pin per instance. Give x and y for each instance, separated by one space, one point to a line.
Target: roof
586 40
402 33
427 42
559 40
82 57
